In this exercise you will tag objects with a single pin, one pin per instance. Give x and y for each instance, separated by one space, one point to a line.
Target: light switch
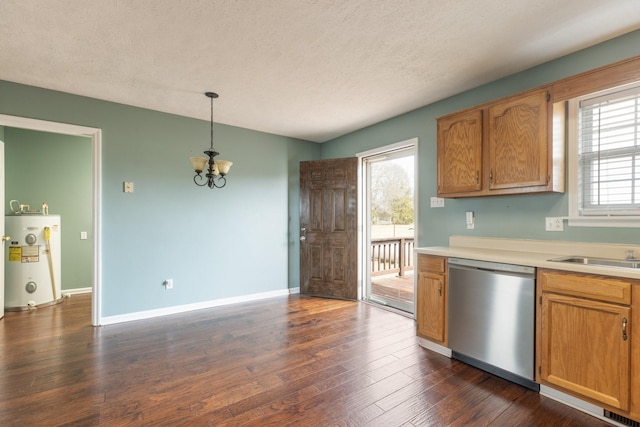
471 220
128 187
83 235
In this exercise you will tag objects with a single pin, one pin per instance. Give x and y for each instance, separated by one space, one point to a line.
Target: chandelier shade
223 166
198 163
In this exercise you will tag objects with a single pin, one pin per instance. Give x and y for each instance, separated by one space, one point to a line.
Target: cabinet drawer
432 263
604 288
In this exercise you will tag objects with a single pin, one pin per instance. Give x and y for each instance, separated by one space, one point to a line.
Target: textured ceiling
308 69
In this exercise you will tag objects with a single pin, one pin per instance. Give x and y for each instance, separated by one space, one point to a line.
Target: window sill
585 221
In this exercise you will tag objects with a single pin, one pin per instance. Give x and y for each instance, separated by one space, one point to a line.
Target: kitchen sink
603 262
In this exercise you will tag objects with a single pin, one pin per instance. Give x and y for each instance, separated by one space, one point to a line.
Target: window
604 158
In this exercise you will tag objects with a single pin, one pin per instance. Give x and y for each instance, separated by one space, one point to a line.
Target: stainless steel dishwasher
492 318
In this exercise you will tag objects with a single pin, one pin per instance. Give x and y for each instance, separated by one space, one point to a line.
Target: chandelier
216 169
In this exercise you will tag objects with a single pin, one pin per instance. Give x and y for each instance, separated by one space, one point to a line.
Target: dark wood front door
328 228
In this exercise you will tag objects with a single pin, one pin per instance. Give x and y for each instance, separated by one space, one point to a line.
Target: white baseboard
77 291
294 290
570 401
575 403
434 347
141 315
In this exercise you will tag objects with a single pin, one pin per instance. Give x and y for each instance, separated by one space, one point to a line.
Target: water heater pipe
47 238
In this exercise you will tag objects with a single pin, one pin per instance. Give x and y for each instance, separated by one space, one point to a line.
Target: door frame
363 225
2 230
96 140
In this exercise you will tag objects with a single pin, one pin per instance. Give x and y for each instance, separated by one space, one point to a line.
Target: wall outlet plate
437 202
554 223
127 187
168 284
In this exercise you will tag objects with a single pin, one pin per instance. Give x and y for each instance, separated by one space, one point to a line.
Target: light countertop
536 253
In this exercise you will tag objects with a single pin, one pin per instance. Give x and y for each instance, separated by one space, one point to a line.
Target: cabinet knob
624 328
440 288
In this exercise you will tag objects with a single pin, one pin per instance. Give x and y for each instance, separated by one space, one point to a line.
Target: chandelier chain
211 123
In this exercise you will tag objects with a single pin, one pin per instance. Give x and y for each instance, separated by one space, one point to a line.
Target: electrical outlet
168 284
437 202
127 187
553 223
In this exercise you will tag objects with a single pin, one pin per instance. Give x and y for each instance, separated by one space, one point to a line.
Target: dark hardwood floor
283 361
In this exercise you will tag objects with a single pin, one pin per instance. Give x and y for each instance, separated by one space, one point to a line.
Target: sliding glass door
388 195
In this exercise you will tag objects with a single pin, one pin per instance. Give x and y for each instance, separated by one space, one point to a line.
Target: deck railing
394 255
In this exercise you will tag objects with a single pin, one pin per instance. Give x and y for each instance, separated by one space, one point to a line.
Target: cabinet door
460 152
586 348
518 142
431 306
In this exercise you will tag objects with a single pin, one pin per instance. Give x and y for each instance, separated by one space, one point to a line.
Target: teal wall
214 244
56 169
243 239
505 216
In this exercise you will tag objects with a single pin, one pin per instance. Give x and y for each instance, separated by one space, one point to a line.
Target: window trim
575 218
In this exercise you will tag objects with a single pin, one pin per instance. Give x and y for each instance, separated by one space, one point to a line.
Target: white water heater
32 261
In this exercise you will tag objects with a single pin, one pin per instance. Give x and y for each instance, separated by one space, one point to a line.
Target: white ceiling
310 69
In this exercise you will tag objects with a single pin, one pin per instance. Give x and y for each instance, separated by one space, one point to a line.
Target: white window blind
609 154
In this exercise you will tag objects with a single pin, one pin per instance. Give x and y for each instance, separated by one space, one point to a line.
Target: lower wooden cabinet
583 349
585 345
431 298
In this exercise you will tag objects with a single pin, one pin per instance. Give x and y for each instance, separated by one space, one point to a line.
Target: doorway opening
388 218
94 136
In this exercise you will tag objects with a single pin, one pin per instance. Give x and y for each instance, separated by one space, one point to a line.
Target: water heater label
15 253
30 253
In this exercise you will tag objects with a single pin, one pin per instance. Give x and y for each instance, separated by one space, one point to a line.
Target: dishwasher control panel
495 266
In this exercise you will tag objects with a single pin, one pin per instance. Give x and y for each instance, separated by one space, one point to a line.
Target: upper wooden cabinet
460 152
518 142
509 146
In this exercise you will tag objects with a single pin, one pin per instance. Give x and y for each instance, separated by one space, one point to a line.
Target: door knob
303 238
6 238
